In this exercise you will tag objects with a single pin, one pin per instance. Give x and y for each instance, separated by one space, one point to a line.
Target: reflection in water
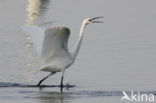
55 97
36 9
68 97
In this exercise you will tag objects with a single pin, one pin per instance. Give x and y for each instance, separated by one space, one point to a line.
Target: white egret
52 46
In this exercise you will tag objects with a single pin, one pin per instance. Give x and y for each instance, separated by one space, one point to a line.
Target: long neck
79 41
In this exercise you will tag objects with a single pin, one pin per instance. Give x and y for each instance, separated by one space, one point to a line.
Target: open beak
94 20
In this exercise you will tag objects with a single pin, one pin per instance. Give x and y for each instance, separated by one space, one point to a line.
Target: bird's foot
67 85
39 84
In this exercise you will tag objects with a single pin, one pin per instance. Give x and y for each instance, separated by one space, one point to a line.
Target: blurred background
116 55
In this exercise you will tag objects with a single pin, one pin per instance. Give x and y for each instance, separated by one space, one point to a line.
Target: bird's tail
50 69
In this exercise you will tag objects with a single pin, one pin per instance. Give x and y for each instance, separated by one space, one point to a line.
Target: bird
52 46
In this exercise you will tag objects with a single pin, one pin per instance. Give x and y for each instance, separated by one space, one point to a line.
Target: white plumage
52 46
55 49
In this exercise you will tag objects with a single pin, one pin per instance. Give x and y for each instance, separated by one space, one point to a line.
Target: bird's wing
55 43
36 34
51 43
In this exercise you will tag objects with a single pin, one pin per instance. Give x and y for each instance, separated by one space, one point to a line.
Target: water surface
115 56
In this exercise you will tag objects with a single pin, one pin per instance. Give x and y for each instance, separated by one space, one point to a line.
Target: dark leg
44 79
61 85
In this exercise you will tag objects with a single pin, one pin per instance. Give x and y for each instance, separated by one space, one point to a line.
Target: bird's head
92 20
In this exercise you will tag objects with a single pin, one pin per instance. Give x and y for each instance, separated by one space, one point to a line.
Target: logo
137 96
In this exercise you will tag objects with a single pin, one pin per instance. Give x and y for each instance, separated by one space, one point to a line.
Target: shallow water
115 56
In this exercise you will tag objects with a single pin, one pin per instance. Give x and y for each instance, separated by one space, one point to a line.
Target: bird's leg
61 85
44 79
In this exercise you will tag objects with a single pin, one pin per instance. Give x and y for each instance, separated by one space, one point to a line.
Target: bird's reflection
55 97
36 9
